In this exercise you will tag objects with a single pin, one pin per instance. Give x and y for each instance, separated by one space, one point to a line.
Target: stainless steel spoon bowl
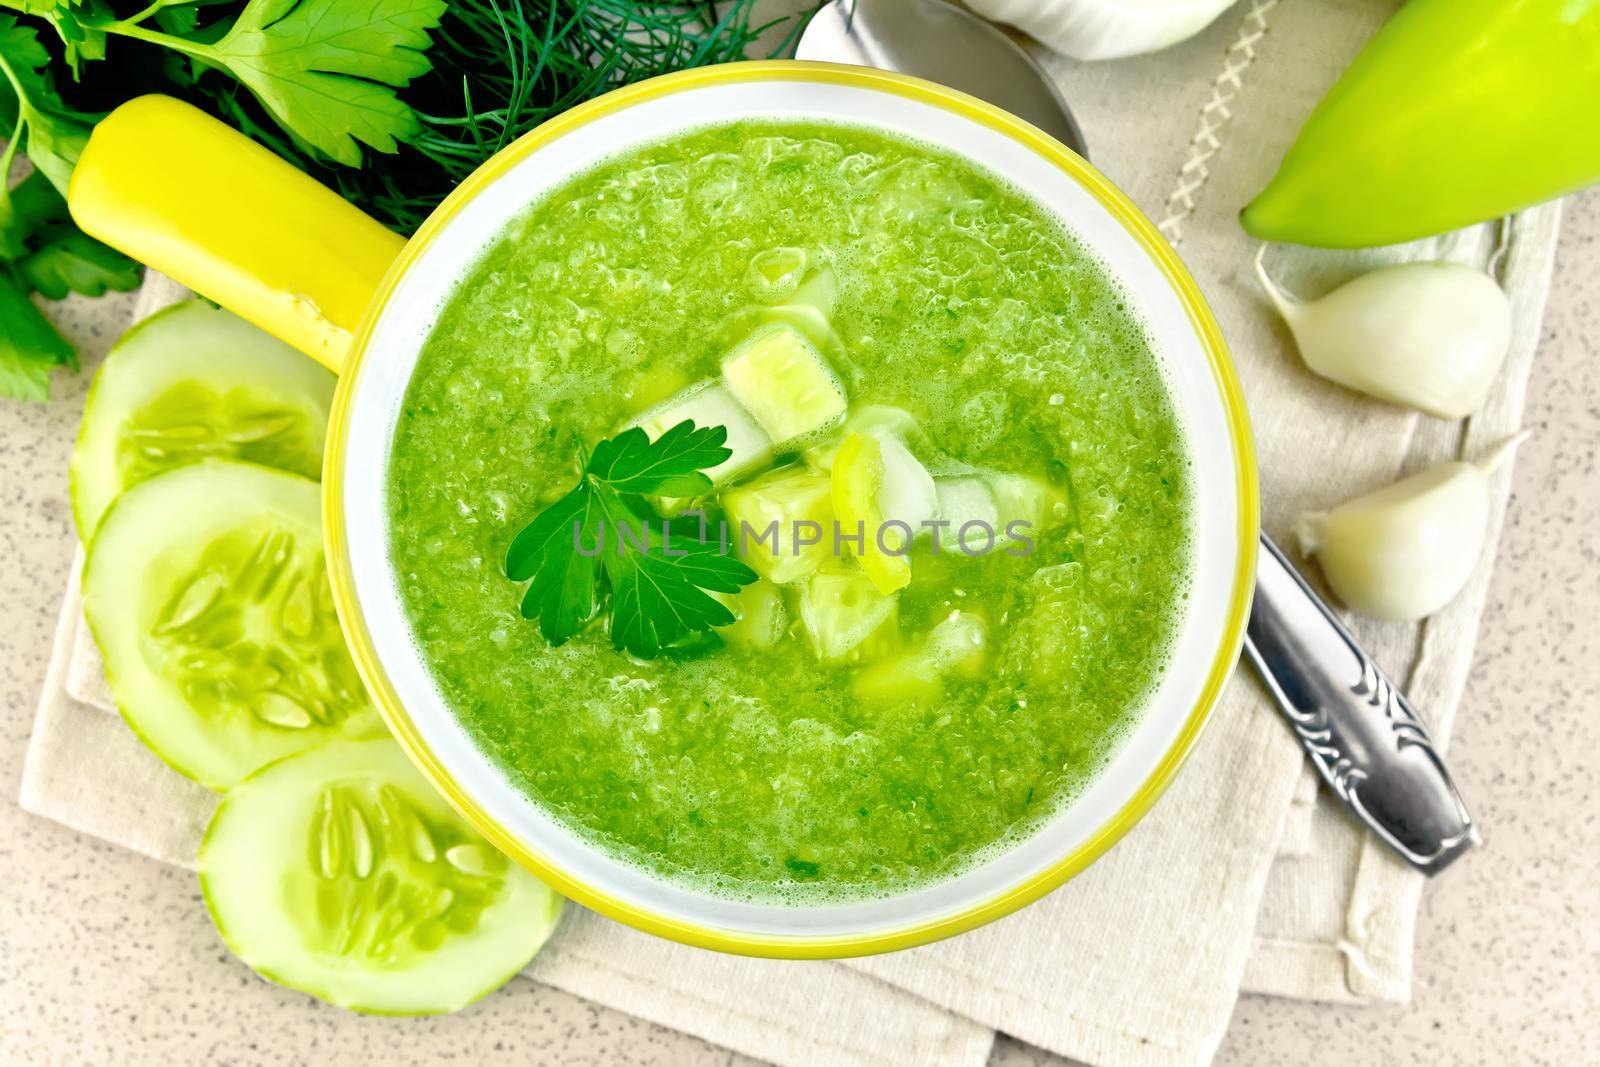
944 43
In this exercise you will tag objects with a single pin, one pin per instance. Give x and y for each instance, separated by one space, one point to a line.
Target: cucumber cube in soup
966 499
843 614
653 385
758 614
1045 642
904 679
781 378
857 481
1023 498
777 502
709 404
907 493
958 647
875 420
817 292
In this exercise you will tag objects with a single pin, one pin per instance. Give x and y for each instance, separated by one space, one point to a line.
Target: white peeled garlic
1104 29
1405 551
1430 336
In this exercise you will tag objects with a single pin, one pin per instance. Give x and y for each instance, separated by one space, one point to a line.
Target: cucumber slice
207 591
189 383
778 501
782 380
775 273
709 404
341 873
846 617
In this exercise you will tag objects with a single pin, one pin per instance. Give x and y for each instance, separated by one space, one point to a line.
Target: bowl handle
176 189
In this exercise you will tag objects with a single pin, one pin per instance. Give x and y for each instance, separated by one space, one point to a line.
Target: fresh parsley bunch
391 102
325 70
604 540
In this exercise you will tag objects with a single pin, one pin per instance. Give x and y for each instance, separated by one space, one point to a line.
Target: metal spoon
1357 728
943 43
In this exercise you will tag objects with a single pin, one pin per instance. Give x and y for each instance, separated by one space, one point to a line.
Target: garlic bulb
1104 29
1430 336
1405 551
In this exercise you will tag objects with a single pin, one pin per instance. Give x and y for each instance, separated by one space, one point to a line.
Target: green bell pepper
1457 111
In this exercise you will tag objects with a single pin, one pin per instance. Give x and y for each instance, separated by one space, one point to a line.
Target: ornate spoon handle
1359 730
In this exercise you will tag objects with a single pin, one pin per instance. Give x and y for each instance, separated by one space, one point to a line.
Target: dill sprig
502 67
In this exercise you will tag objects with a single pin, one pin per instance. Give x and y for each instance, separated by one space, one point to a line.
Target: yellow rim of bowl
801 947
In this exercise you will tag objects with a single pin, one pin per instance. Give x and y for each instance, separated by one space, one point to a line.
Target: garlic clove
1403 552
1431 336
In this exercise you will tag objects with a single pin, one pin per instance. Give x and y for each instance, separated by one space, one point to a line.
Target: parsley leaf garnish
657 573
671 465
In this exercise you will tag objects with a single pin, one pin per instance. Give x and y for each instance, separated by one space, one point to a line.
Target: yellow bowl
225 217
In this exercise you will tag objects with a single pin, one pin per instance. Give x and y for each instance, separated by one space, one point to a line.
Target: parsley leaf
565 592
658 596
29 345
75 23
31 114
70 261
28 207
39 246
326 70
669 466
603 538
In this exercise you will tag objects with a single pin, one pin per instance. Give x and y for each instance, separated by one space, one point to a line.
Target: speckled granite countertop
106 957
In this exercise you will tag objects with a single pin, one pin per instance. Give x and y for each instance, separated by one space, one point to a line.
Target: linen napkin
1241 874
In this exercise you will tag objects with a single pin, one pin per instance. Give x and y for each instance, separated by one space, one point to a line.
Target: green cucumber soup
867 725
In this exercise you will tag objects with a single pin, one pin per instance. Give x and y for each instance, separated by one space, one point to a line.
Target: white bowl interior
409 315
